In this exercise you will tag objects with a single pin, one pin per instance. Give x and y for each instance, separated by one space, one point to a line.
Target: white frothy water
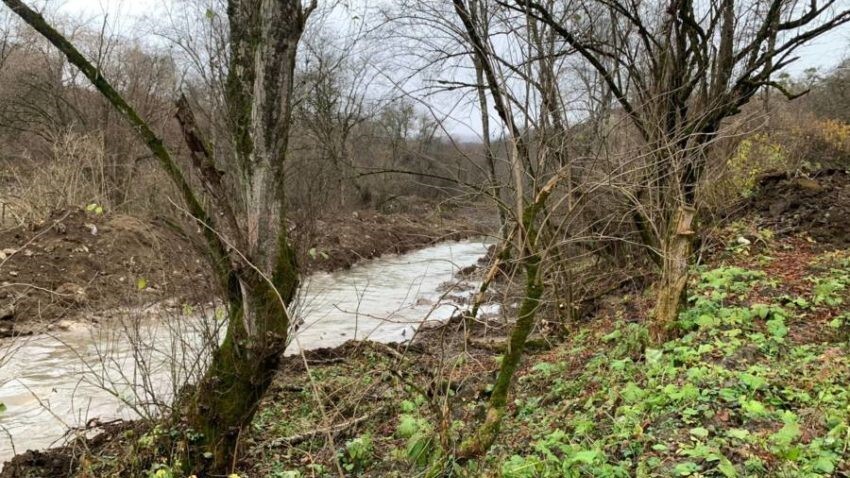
127 368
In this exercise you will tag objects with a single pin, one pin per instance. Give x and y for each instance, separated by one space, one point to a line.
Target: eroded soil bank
817 205
78 265
755 385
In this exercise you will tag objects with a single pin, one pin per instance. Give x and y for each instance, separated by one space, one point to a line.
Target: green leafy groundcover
735 396
756 386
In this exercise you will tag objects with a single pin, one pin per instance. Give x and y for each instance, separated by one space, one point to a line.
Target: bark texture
264 42
251 254
672 288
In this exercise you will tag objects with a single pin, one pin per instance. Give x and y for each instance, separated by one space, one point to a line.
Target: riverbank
80 264
135 356
754 385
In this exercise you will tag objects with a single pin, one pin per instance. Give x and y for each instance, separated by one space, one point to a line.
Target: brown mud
78 264
816 208
817 205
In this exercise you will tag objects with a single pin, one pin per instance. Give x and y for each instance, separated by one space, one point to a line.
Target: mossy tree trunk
531 259
527 213
250 251
264 38
488 431
242 369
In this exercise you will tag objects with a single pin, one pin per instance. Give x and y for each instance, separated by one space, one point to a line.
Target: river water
131 365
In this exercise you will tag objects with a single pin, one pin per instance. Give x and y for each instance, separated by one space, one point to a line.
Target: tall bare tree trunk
478 17
264 41
495 187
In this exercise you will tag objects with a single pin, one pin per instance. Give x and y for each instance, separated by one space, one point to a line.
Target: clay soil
818 206
79 264
806 214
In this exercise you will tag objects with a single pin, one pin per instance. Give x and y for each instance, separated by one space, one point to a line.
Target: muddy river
131 365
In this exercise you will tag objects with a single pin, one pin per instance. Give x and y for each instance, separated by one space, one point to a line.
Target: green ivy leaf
632 393
754 407
761 310
585 457
706 321
727 468
753 382
777 327
786 435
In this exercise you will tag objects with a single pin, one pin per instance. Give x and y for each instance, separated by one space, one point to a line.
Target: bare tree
831 94
526 227
678 69
6 38
333 104
245 234
479 15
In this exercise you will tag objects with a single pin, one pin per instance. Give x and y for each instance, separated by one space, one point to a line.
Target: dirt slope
818 205
79 263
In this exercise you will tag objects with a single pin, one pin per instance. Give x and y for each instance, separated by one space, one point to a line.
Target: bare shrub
73 177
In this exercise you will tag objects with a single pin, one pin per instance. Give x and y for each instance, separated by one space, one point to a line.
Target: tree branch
211 177
217 251
545 16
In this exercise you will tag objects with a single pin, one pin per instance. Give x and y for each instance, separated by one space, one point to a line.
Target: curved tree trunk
531 259
264 42
487 432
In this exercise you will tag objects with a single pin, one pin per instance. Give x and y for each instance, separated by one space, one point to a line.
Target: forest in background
668 209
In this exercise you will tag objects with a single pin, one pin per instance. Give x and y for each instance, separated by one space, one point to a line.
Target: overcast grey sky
464 121
823 53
